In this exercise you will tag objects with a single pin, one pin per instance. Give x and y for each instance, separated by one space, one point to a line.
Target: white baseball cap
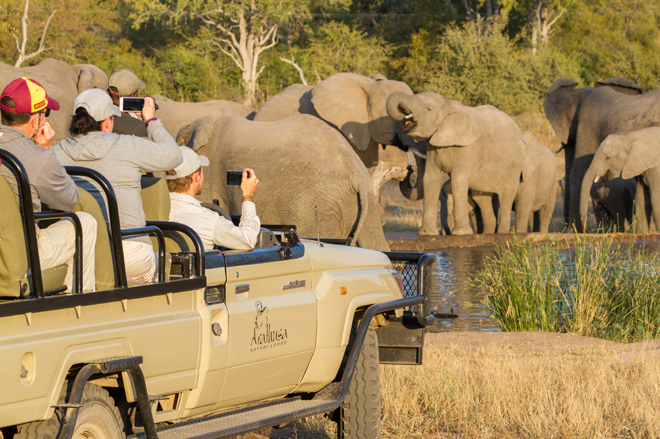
190 164
97 103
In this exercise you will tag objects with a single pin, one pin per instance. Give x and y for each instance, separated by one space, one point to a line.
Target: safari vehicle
224 343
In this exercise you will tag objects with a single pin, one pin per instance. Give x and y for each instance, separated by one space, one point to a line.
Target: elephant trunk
412 187
585 196
396 103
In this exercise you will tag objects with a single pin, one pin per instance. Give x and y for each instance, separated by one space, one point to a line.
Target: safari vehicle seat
13 254
156 204
104 266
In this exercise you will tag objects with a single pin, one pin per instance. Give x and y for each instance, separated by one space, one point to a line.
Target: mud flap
401 341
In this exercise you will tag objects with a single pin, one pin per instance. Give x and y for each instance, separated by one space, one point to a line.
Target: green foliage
479 64
613 38
600 289
336 47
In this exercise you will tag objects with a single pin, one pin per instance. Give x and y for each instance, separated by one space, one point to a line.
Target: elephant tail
364 193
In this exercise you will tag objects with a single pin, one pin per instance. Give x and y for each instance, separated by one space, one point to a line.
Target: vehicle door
273 318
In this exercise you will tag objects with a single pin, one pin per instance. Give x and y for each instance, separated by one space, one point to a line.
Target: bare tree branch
292 61
42 44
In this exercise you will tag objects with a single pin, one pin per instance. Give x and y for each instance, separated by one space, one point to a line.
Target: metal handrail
200 266
161 245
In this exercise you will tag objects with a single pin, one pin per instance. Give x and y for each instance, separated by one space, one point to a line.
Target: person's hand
249 185
149 109
45 134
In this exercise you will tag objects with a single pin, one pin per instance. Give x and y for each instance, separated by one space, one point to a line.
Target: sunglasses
47 112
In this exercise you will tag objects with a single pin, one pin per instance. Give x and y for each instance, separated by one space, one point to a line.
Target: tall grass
599 289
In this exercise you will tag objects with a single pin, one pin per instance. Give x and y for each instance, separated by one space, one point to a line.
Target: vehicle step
246 420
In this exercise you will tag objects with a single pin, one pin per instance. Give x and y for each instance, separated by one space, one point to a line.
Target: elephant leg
485 203
545 214
652 186
506 203
641 214
523 210
578 169
432 186
445 213
459 187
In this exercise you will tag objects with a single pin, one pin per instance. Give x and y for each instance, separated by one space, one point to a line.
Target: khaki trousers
57 245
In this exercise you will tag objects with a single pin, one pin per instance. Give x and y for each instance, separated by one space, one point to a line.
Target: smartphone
234 178
132 105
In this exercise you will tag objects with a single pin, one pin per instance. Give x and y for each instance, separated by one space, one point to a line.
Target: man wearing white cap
122 160
186 181
123 83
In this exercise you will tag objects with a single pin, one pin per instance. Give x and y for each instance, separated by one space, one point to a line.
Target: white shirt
212 227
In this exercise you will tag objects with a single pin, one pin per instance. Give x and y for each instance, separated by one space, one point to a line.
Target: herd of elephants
315 148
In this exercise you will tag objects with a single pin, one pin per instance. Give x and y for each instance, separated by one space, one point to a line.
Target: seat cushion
13 255
104 267
155 198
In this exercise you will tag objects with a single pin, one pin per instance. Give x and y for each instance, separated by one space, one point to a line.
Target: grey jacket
122 159
49 182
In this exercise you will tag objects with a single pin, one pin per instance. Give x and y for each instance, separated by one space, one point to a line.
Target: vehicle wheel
359 414
98 418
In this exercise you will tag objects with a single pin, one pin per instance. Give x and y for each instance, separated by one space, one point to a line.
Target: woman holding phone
121 159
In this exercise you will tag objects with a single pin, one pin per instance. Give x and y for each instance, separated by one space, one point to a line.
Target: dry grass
499 393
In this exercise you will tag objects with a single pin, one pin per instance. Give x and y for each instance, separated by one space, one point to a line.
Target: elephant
613 203
537 190
351 103
479 147
474 210
176 115
302 164
631 154
583 117
62 82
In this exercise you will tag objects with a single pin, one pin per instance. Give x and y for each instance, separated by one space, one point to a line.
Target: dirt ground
531 346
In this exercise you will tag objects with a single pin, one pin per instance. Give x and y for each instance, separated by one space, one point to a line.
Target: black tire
98 418
359 414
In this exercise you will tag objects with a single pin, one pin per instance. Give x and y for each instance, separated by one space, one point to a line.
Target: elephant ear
622 85
196 134
641 157
457 129
341 100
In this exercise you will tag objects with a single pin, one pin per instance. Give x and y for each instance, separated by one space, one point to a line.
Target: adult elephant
302 164
63 82
537 190
479 147
176 115
351 103
583 117
634 154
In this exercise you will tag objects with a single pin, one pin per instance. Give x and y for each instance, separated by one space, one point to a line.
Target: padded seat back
155 198
104 267
13 253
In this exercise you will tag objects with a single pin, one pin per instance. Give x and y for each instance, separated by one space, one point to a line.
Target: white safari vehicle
224 343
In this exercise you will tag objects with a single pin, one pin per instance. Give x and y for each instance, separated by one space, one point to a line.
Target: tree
240 29
543 15
22 55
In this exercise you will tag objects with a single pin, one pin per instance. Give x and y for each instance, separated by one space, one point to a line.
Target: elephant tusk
409 117
596 179
560 148
419 154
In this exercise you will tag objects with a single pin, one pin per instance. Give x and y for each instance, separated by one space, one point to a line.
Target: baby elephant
627 155
538 188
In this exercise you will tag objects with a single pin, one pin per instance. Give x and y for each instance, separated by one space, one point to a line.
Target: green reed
597 288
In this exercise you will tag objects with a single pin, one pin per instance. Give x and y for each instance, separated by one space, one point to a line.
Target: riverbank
409 241
515 385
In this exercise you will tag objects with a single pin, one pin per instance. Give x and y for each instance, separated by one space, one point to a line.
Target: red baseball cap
29 95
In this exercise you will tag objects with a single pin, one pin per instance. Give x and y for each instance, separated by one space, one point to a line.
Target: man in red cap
26 133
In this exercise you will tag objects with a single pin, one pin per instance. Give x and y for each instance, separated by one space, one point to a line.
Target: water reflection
453 272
